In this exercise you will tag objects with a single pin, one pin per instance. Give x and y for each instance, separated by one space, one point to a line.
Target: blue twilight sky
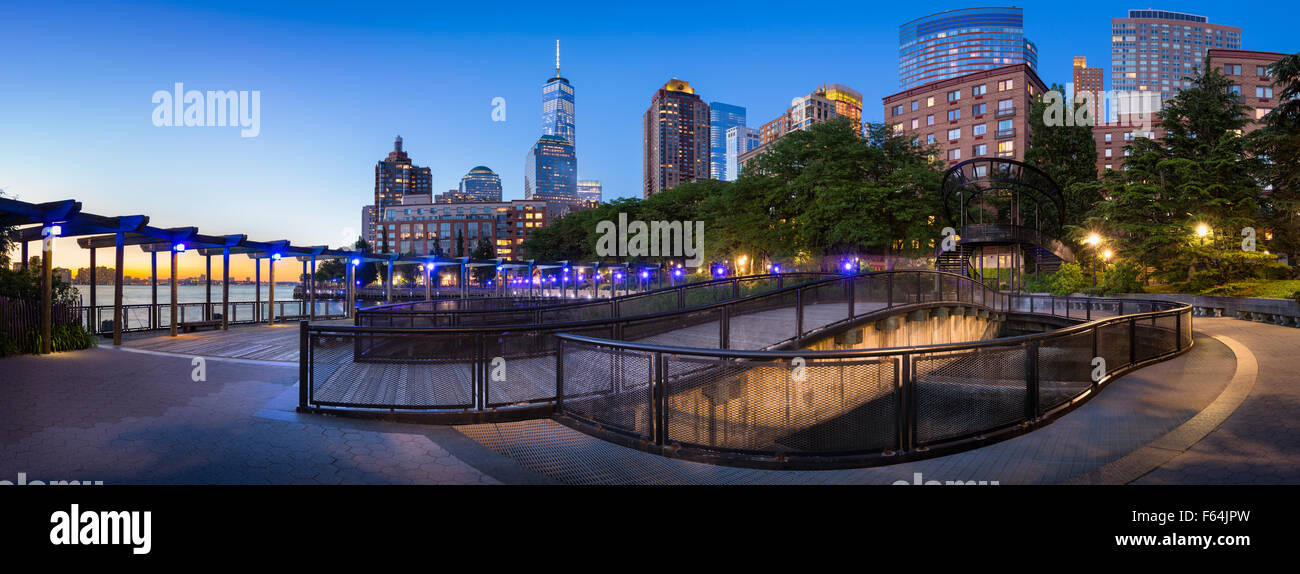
339 80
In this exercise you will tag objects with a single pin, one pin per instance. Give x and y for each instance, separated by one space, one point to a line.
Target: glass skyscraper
480 184
551 171
722 117
557 105
958 42
740 139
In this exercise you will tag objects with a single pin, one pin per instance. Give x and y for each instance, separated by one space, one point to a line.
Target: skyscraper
740 139
480 184
557 105
395 178
551 171
722 117
675 138
589 191
1155 50
958 42
1089 80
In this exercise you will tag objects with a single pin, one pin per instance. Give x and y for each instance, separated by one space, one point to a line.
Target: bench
191 326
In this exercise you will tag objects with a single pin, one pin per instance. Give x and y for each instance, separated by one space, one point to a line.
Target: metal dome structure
1006 210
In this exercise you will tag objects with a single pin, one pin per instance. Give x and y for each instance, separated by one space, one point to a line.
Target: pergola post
311 279
464 280
47 294
119 255
257 289
24 256
174 288
302 281
93 327
428 294
270 297
155 321
350 292
388 285
225 288
207 298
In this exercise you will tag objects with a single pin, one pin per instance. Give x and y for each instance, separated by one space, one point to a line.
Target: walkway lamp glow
179 248
1202 230
776 269
1093 239
52 231
356 262
1107 254
275 256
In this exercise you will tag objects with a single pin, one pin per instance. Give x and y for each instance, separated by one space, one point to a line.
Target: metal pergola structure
46 221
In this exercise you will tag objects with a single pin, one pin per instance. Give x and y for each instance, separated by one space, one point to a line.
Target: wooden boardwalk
338 378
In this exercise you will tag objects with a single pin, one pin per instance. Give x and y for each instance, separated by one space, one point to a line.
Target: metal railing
537 311
98 319
484 367
817 409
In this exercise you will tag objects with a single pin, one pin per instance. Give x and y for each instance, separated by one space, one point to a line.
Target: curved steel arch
966 182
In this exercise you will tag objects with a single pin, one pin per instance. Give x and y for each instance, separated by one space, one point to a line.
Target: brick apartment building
418 224
1248 71
981 114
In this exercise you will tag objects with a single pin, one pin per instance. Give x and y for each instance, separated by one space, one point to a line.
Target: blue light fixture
179 248
356 262
274 256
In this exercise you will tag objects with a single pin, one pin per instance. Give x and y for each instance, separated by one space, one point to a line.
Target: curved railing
485 367
843 408
510 311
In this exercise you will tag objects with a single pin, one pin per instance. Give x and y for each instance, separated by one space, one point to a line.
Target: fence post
304 366
1132 342
1031 380
559 375
724 333
481 367
889 290
798 312
850 288
657 398
906 404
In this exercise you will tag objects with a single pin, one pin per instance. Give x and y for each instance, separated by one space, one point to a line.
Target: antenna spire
557 58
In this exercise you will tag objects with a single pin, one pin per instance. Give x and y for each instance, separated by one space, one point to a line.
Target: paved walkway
128 417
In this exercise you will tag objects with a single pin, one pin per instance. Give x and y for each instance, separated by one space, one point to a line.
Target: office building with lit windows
981 114
740 140
674 138
557 105
551 171
1089 80
590 192
480 184
722 117
958 42
395 178
1160 50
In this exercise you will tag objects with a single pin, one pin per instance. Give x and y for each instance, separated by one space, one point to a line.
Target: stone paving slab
131 418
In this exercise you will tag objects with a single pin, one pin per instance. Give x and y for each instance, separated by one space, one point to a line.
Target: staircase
1046 261
957 261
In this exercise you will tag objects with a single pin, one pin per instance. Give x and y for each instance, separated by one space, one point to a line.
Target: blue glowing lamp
179 248
275 256
356 262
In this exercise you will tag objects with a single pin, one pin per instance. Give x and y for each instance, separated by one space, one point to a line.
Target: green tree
1277 144
1067 153
1196 174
